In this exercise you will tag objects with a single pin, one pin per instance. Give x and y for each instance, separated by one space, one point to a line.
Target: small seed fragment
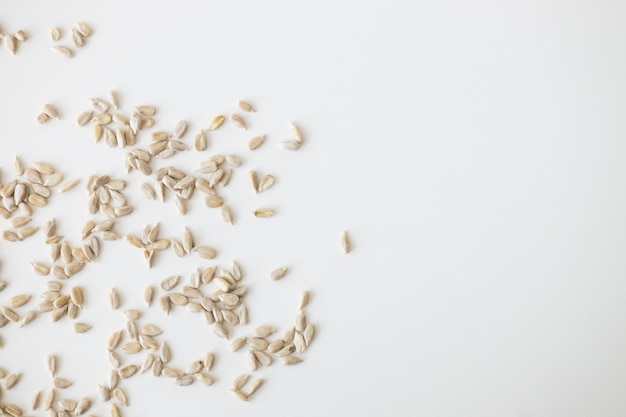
263 213
346 245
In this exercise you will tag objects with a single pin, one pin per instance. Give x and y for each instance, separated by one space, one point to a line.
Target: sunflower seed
279 273
240 381
64 51
239 121
346 246
62 383
114 299
263 213
255 386
131 348
81 327
290 145
275 346
216 122
36 400
115 339
253 363
201 141
10 43
56 33
128 371
148 295
19 300
292 360
180 129
240 395
51 111
256 142
69 185
82 406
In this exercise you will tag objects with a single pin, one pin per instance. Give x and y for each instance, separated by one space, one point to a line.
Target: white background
473 149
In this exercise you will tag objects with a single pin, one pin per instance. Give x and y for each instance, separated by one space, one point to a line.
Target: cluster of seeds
13 41
116 129
80 33
8 381
216 292
49 112
32 188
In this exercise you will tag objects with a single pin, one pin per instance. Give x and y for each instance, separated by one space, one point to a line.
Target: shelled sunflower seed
149 242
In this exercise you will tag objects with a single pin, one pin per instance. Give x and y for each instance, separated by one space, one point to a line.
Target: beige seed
295 130
66 404
166 304
266 182
346 245
147 110
19 300
42 118
239 121
151 330
256 142
304 300
68 185
82 406
245 106
209 359
115 339
51 111
227 215
52 364
243 314
148 295
81 327
205 252
201 141
185 380
115 411
188 243
253 363
240 395
120 396
10 314
114 299
11 380
279 273
170 282
264 331
63 51
216 122
263 213
301 321
255 386
290 145
131 348
299 343
76 293
166 354
292 360
36 400
84 118
128 371
47 405
180 129
28 318
56 33
62 383
148 191
84 29
27 232
11 43
240 381
275 346
205 378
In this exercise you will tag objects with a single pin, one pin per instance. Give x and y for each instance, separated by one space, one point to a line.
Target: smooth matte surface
473 149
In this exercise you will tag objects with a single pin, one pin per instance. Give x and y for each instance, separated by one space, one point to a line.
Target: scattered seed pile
216 293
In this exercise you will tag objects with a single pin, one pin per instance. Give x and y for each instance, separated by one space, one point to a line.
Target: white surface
474 150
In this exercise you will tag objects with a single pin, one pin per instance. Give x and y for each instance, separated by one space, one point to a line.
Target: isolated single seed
216 122
304 300
255 386
263 213
256 142
292 360
290 145
36 400
346 245
51 111
239 121
81 327
56 33
279 273
62 383
63 51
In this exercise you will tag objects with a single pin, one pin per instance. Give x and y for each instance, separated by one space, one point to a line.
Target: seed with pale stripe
279 273
62 383
263 213
239 121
